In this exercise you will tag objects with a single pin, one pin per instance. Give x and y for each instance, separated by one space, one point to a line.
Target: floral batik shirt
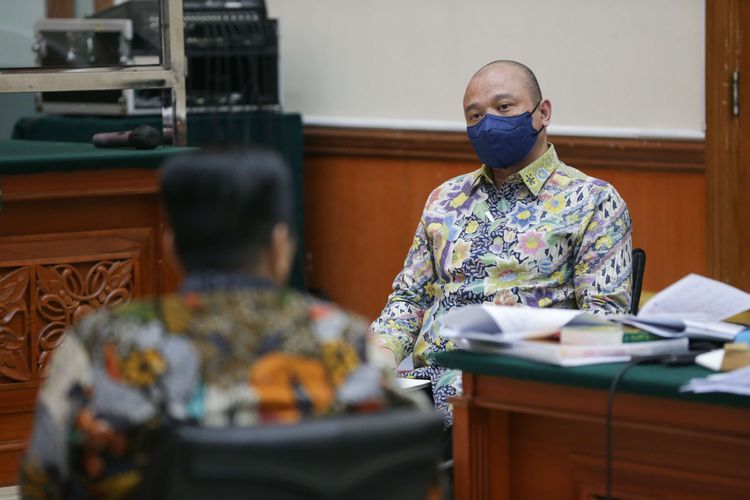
549 236
232 355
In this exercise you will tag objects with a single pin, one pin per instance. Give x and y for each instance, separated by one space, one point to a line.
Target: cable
227 49
242 59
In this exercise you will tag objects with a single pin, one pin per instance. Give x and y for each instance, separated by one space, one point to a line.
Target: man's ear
545 112
281 253
172 263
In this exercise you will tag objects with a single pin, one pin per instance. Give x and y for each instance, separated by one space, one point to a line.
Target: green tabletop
649 380
28 157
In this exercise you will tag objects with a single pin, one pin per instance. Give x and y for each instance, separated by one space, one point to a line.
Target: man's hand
387 358
380 355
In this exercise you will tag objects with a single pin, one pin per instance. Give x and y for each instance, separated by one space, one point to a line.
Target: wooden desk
80 228
526 430
279 131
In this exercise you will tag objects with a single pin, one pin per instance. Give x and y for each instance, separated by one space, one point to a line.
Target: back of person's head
226 208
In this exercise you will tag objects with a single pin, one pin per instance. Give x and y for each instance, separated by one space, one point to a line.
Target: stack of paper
533 333
694 307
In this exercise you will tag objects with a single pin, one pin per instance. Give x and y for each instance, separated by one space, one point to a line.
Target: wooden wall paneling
360 218
728 154
66 8
638 154
668 210
102 4
722 138
364 196
60 8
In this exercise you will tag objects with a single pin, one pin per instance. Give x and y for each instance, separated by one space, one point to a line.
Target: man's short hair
223 206
531 81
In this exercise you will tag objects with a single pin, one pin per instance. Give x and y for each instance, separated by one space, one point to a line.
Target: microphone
141 137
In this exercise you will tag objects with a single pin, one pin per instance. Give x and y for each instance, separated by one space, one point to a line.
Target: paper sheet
734 382
703 298
505 323
711 359
672 328
412 384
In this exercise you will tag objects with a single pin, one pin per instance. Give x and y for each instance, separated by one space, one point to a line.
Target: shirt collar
533 175
217 282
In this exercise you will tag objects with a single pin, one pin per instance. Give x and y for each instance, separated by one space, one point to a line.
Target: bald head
531 83
503 88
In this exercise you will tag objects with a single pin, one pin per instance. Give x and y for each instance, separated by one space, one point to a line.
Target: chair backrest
390 455
639 268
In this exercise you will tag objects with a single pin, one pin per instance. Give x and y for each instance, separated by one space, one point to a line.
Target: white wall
16 38
611 67
84 8
17 31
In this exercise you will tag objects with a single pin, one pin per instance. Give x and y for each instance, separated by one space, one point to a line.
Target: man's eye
475 116
503 107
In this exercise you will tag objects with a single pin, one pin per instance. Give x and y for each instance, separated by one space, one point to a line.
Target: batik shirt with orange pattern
243 356
549 236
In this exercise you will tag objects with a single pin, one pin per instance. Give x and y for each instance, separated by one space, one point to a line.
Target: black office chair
639 268
391 455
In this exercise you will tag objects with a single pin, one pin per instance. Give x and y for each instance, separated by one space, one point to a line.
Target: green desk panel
649 380
29 157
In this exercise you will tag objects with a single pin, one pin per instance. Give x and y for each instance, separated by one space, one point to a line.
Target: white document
711 359
668 326
693 307
698 297
734 382
411 384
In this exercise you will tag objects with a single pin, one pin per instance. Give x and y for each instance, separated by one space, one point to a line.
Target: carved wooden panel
66 292
53 284
15 352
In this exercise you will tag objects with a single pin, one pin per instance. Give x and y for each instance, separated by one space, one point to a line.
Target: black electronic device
232 56
144 14
141 137
231 50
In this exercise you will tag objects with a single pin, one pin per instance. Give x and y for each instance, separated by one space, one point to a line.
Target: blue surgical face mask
503 141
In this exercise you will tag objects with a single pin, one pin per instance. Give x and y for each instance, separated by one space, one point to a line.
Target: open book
694 307
506 324
531 333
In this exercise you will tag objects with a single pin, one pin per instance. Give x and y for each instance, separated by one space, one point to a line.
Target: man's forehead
501 74
499 78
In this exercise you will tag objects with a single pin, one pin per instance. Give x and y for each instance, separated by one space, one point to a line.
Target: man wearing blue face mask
524 229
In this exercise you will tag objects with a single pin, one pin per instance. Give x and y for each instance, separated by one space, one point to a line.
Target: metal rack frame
169 75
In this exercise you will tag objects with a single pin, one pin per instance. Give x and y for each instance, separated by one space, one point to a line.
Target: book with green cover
604 335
